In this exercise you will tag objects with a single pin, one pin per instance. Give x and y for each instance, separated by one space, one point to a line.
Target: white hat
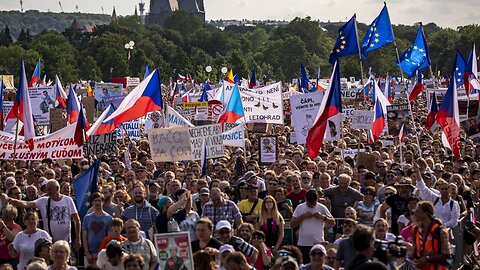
226 248
222 224
319 247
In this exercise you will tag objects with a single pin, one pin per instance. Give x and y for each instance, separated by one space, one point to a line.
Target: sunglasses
284 253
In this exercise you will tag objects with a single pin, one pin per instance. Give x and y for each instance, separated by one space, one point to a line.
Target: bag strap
253 207
151 220
436 201
48 216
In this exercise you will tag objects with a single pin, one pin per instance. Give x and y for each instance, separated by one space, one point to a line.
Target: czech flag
101 126
449 120
234 109
60 94
145 98
36 75
147 72
22 108
432 112
403 132
331 105
180 77
82 125
253 79
470 76
229 77
417 88
73 106
380 110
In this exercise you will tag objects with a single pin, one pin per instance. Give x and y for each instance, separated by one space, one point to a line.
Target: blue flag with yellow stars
416 57
379 34
347 42
84 186
459 69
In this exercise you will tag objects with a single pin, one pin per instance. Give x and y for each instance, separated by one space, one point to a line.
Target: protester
112 257
60 255
137 244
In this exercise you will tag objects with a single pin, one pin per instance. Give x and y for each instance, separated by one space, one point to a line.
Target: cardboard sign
170 144
212 135
362 119
101 144
89 105
396 116
234 137
268 149
7 81
304 111
57 119
350 93
367 160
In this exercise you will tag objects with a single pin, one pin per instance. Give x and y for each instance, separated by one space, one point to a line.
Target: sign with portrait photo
174 251
268 151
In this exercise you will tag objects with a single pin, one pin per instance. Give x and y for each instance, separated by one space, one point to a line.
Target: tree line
187 45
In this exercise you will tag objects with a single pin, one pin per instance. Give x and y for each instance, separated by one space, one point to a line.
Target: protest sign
333 131
89 105
170 144
350 93
153 120
352 152
174 250
293 137
42 99
215 108
268 149
101 144
367 160
396 116
260 105
130 129
108 93
362 119
304 111
347 113
57 145
7 81
174 119
234 137
57 119
10 123
212 135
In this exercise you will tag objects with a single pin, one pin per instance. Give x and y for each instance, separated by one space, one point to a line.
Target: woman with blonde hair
60 254
271 223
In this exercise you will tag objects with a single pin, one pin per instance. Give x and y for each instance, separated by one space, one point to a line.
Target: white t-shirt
60 216
311 229
25 245
103 263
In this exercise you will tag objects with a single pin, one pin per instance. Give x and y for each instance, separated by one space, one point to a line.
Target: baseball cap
226 248
223 224
203 191
319 247
42 242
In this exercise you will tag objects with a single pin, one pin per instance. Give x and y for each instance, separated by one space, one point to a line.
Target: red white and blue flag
331 106
470 76
36 77
101 126
417 88
145 98
73 106
82 126
22 109
60 94
388 89
449 119
432 112
380 111
403 132
234 109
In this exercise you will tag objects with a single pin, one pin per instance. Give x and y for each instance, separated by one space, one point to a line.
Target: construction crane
103 11
76 8
60 4
21 5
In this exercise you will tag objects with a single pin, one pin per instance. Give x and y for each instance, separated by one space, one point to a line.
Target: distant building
160 9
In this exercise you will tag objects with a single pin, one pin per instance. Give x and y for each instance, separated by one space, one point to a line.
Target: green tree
11 57
6 37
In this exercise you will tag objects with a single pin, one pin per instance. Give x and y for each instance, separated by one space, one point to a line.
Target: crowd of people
325 213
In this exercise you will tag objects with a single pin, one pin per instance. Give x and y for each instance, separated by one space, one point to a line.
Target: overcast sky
446 13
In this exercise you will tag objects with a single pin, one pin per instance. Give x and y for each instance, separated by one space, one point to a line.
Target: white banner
58 145
170 144
174 119
153 120
347 113
129 129
350 93
362 119
261 105
304 111
234 137
212 134
42 99
352 152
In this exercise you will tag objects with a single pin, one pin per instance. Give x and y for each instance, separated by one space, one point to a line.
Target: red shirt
297 198
4 241
259 262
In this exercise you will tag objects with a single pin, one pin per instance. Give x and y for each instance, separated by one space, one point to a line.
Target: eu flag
304 80
416 57
459 69
84 186
379 34
347 42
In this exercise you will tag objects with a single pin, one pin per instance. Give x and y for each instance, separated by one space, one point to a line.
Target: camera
386 249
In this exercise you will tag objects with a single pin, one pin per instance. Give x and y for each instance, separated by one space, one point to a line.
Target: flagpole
15 143
409 105
359 52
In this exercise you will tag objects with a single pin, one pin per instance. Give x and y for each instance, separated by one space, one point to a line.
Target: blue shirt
97 228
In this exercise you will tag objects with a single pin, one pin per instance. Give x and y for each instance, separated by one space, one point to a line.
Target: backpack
438 199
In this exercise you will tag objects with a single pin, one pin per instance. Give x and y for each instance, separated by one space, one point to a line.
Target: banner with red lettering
58 145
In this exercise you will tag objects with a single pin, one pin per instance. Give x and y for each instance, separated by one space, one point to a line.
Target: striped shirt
145 215
228 211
